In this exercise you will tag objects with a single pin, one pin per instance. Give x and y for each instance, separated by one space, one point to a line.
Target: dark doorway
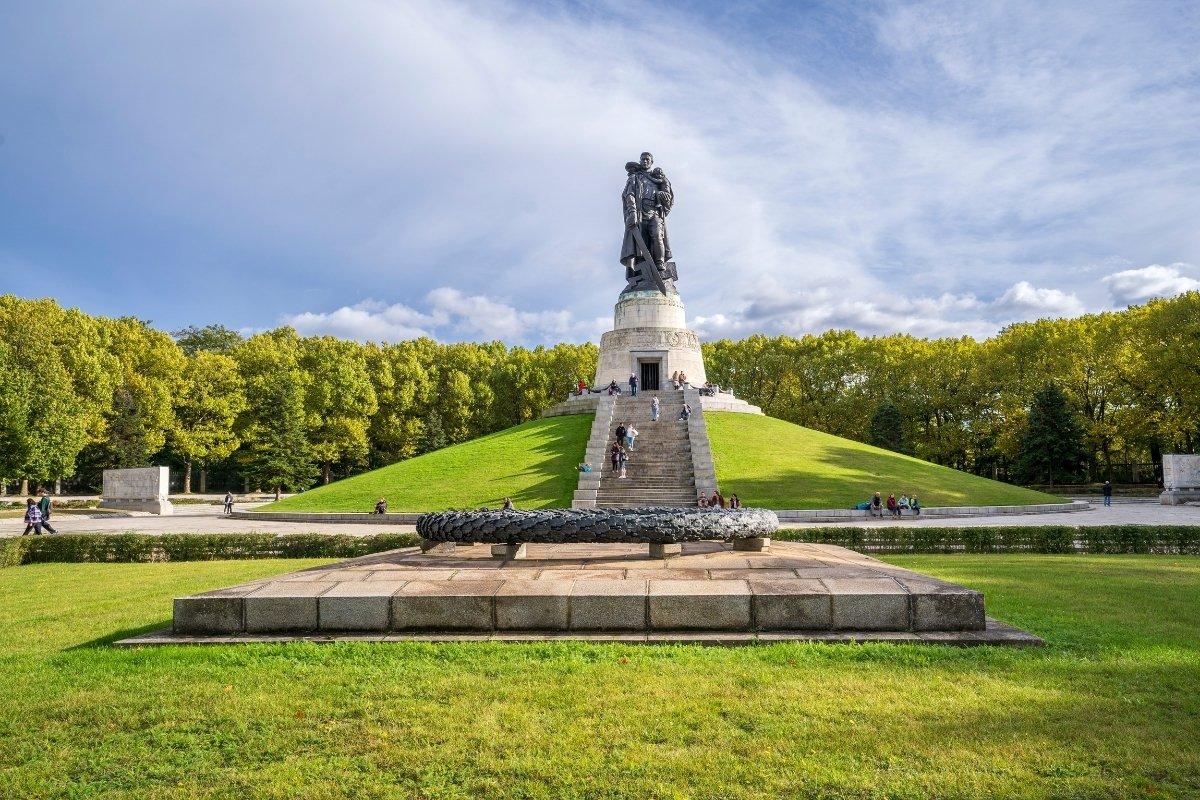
649 376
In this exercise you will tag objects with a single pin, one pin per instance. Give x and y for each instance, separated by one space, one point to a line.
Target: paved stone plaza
608 592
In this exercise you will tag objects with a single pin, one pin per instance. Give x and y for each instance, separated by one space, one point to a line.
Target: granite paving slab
794 590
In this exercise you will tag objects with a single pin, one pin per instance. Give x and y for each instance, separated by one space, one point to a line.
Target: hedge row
1157 539
141 547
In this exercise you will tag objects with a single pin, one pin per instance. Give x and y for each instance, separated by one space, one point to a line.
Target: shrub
1157 539
141 547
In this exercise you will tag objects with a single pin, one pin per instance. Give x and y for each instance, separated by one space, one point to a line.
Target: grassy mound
774 464
533 463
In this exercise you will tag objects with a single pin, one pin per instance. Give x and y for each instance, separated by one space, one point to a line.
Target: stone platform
613 592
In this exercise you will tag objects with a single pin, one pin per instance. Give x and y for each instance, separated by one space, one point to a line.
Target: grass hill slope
534 463
775 464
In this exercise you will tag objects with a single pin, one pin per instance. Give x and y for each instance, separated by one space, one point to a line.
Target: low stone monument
137 489
1181 479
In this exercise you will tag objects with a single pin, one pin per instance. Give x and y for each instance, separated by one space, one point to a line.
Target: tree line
276 410
80 393
1128 383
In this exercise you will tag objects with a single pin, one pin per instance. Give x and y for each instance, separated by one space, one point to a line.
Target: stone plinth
139 489
710 590
649 327
1181 479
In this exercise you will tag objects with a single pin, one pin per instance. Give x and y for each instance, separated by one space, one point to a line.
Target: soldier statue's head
647 160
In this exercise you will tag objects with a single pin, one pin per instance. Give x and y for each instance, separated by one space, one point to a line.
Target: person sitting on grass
716 501
701 501
734 501
915 505
33 518
381 506
892 506
508 504
876 507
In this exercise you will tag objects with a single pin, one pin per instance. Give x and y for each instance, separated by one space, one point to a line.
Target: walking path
209 519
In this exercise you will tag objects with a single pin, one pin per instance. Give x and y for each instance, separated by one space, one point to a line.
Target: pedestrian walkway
209 519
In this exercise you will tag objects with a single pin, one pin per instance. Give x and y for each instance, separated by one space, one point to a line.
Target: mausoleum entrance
649 370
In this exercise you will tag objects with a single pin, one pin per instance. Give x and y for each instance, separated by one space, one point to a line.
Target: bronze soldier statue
646 251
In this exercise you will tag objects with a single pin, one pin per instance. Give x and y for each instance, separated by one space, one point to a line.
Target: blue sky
381 170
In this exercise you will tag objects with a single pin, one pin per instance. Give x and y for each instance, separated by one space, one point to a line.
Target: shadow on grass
107 640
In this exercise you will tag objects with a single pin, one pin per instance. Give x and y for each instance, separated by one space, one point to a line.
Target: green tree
149 378
43 422
206 409
339 401
210 338
1052 442
887 427
277 454
273 427
402 383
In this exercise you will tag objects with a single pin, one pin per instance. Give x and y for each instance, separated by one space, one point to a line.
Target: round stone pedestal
649 328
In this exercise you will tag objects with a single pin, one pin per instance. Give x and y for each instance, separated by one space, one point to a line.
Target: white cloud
1137 285
776 309
449 315
1023 300
367 321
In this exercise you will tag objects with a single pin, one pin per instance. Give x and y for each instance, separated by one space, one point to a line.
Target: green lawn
774 464
534 463
1110 709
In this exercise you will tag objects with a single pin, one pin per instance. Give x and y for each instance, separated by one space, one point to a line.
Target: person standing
633 385
228 504
654 409
45 506
619 433
614 455
33 518
624 461
630 434
1107 490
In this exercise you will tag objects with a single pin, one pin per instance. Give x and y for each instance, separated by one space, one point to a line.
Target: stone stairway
660 465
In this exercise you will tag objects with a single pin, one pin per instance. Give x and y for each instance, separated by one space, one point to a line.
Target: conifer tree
887 427
1051 443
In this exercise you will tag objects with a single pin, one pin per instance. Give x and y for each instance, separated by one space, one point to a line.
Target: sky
381 170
